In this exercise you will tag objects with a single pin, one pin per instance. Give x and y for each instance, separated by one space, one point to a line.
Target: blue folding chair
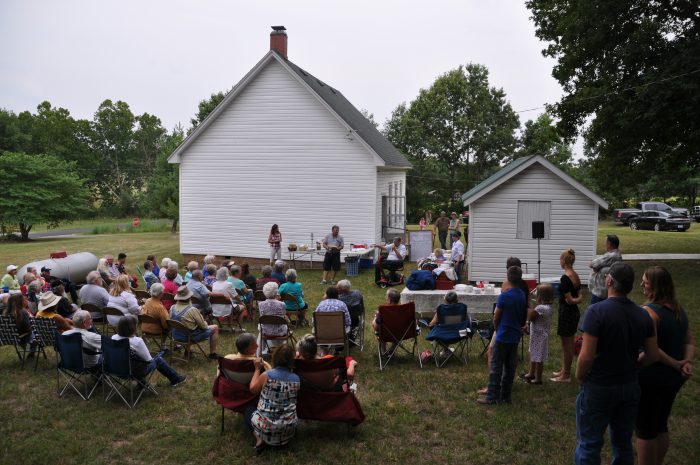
118 374
451 335
72 369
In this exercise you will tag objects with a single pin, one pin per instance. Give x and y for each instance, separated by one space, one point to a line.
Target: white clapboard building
503 207
285 147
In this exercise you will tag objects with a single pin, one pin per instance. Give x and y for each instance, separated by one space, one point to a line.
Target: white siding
387 182
493 225
275 155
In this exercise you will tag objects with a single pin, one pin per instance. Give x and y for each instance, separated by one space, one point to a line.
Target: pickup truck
624 215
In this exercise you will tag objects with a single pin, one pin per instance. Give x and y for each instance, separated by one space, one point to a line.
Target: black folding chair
9 336
45 331
118 374
357 332
71 367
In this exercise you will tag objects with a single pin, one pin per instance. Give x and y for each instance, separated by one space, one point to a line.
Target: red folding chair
231 386
397 326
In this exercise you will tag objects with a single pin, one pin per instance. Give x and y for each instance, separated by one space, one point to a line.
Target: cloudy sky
164 56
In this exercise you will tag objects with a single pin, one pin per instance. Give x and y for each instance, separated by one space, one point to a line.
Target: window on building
529 211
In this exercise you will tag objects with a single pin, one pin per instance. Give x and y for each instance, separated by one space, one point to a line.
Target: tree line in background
630 71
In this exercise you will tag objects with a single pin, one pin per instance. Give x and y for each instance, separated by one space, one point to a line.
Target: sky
164 56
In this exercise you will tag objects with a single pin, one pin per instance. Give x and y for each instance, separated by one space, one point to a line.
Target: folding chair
141 296
159 339
179 334
266 320
357 333
167 296
485 330
397 325
118 374
450 337
106 312
45 331
234 316
95 312
71 367
292 314
231 386
258 297
9 336
329 328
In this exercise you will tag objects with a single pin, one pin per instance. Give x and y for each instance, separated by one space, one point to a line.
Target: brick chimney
278 40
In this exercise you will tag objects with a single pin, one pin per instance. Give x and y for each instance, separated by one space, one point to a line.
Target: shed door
529 211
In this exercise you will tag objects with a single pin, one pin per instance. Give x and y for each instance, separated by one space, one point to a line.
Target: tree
162 193
39 189
461 124
205 107
630 70
541 137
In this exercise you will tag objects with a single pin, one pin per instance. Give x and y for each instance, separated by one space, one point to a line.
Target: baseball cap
623 274
43 268
11 268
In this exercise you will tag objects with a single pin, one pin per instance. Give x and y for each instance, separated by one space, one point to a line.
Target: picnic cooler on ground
352 266
366 263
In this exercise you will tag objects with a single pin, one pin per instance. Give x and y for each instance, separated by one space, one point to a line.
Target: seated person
265 278
200 291
208 260
330 303
104 270
156 268
10 281
191 266
149 275
247 346
68 285
272 306
393 297
224 287
248 278
209 274
94 293
396 254
64 308
154 307
307 349
449 319
278 272
122 298
239 284
92 342
187 314
47 309
30 276
170 285
439 255
17 307
141 361
353 299
292 287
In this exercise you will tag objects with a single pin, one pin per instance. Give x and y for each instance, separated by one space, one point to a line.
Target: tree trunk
24 231
173 228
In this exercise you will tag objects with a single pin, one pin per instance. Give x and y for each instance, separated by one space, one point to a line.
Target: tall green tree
39 189
541 137
205 107
460 123
162 193
630 70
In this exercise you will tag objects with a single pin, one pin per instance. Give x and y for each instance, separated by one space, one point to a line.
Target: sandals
526 376
532 381
559 379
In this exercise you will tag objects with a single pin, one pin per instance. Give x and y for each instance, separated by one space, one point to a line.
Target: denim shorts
199 335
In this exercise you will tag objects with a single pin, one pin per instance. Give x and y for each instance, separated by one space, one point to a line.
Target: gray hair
307 346
266 271
279 266
191 266
244 341
270 290
172 265
222 274
92 277
235 269
211 269
165 262
35 286
198 275
79 317
451 297
291 275
393 296
209 259
157 289
343 286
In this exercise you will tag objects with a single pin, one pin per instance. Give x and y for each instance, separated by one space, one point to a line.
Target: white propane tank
74 267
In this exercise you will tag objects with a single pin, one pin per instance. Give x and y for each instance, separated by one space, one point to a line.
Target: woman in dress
275 421
569 298
661 381
275 241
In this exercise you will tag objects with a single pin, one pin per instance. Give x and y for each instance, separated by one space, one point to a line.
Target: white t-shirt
457 251
137 345
392 253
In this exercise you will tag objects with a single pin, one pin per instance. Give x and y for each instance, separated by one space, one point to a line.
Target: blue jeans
159 363
504 360
442 235
598 407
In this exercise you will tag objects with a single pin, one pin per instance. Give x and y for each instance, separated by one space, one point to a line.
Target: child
508 319
539 319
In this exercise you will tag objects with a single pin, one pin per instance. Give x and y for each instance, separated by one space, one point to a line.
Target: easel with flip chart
421 244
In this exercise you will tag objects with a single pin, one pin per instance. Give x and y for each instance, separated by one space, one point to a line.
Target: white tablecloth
427 301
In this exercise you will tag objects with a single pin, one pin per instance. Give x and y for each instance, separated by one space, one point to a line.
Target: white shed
503 207
285 147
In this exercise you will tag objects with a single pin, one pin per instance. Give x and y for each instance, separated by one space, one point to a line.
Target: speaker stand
539 261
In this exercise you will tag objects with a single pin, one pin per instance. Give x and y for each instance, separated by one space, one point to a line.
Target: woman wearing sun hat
48 304
187 314
9 281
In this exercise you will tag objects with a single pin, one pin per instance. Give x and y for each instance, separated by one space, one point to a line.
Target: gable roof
519 165
331 97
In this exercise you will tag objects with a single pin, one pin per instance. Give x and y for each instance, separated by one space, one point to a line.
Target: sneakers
486 401
323 281
333 282
178 381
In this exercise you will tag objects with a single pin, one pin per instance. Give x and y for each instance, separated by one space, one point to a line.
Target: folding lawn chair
231 386
269 320
329 328
118 374
233 317
159 339
356 336
95 312
45 331
142 296
485 331
71 368
9 336
258 297
397 325
179 334
106 312
294 313
451 336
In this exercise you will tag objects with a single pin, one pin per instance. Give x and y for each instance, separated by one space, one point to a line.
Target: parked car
659 221
624 215
696 213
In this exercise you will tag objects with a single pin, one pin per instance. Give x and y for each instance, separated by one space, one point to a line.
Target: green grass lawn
413 415
650 241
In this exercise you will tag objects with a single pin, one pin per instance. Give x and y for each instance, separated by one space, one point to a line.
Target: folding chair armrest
424 323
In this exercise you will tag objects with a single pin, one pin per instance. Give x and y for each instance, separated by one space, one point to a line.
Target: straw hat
48 300
183 293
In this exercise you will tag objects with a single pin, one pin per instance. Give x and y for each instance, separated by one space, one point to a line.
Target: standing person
275 241
600 267
443 225
661 381
569 298
421 223
539 319
428 217
613 331
458 255
333 243
274 422
508 319
455 223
